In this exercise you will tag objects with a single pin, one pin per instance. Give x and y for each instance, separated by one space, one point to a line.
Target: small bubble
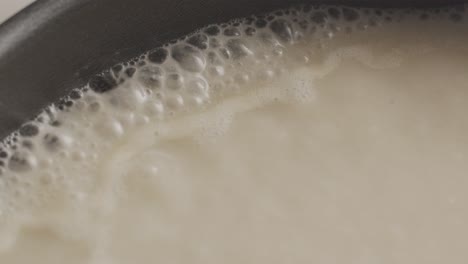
225 53
232 32
150 76
175 102
261 23
29 130
250 31
55 123
199 40
212 30
76 94
130 98
217 70
278 51
189 58
117 68
102 83
3 154
214 43
22 161
249 20
158 55
269 40
199 86
174 81
213 58
61 105
110 127
282 29
350 14
94 107
130 71
52 142
238 48
155 108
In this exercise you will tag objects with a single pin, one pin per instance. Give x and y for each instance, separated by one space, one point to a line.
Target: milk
322 135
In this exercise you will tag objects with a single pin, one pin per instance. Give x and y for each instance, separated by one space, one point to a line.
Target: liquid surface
316 135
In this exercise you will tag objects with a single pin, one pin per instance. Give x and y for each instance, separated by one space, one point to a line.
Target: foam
212 63
57 161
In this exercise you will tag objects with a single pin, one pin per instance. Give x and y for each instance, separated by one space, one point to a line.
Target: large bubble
189 57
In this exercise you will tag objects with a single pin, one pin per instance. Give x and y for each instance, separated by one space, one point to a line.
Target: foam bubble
237 49
22 161
158 56
29 130
189 57
212 30
103 83
199 40
175 81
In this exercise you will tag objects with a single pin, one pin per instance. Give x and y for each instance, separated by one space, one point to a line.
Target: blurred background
10 7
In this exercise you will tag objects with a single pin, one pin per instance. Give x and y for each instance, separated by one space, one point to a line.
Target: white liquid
357 155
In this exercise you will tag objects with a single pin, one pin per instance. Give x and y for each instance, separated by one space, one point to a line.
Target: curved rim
30 19
37 14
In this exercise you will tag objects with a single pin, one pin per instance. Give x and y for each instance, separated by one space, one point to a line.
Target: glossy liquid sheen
341 139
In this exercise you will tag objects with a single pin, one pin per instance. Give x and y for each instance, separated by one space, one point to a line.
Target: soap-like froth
174 77
67 146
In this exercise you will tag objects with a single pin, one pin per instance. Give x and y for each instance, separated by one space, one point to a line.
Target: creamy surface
340 147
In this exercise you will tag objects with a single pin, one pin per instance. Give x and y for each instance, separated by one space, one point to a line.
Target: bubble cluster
187 74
